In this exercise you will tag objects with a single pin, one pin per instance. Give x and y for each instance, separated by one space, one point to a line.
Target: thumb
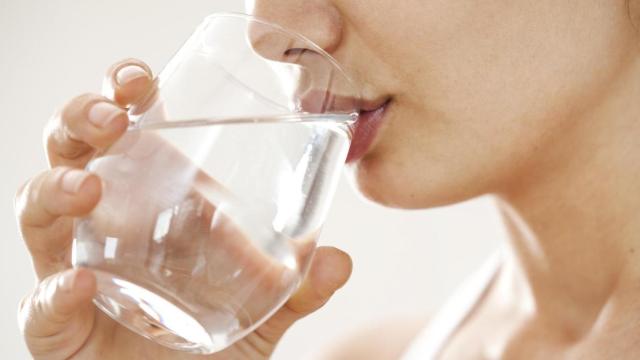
329 271
57 317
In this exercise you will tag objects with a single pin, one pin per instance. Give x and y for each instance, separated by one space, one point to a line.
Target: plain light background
405 263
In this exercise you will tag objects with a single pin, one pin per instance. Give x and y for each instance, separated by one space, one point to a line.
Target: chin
377 181
393 184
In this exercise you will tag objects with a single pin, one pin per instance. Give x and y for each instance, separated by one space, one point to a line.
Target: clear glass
214 198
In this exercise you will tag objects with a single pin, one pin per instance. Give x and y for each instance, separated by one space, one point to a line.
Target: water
302 118
206 226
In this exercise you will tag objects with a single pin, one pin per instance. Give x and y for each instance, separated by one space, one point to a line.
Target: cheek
422 159
436 160
480 110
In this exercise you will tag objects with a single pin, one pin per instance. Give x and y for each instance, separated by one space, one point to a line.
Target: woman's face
480 90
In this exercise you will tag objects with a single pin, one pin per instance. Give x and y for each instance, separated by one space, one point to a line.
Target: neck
574 219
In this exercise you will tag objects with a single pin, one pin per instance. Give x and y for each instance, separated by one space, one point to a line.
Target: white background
405 263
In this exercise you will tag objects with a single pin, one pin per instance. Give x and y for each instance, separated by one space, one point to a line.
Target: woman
535 102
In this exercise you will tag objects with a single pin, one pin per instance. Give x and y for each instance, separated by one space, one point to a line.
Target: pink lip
364 132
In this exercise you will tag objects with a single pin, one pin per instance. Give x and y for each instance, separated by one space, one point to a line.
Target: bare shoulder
384 339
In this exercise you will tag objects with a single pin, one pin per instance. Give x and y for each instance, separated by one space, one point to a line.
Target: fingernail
129 73
72 180
67 280
102 113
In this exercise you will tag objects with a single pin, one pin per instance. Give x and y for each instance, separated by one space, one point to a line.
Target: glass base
153 316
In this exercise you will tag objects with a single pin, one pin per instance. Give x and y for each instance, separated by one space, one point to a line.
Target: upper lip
316 101
371 105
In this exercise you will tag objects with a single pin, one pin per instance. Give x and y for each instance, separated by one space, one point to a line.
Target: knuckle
59 135
52 128
39 300
25 311
18 198
34 305
29 195
23 195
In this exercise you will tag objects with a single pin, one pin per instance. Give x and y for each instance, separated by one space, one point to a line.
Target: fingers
91 122
127 81
44 206
58 316
329 271
86 123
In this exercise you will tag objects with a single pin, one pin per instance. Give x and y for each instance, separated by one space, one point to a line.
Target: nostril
294 55
294 52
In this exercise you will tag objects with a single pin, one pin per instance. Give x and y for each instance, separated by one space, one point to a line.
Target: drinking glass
213 199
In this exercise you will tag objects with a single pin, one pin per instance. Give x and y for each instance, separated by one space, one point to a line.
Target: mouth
365 129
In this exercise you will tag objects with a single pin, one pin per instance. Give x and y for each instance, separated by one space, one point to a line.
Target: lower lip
364 132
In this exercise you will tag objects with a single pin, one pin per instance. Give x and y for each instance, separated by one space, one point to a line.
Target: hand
58 319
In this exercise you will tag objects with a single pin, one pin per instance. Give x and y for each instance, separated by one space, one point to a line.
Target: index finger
92 122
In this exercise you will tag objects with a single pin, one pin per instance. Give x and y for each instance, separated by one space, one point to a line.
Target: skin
533 102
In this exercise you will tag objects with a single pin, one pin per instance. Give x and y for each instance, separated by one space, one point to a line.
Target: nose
319 87
317 20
